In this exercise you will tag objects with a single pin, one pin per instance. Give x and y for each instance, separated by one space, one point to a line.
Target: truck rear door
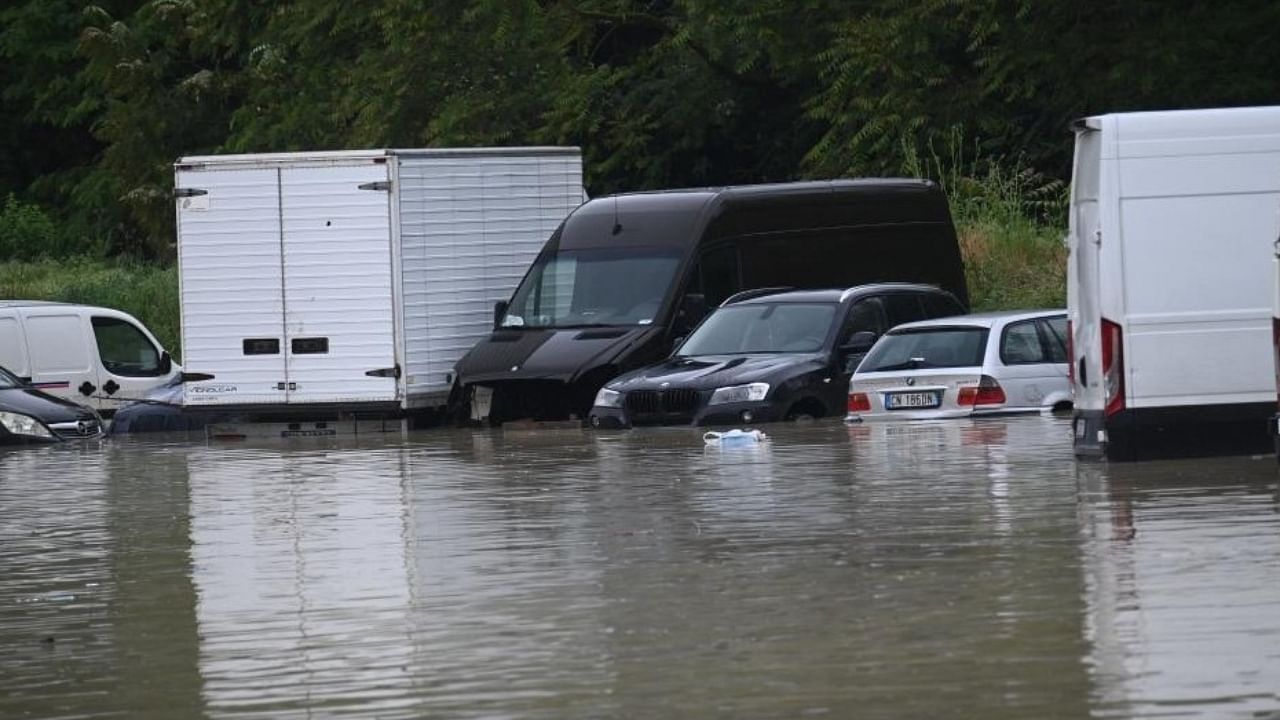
338 305
232 292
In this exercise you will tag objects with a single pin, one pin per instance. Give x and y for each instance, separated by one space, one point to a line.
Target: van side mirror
859 342
693 307
24 380
166 363
499 310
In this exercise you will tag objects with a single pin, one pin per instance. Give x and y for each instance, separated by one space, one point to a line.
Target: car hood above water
546 353
714 371
42 406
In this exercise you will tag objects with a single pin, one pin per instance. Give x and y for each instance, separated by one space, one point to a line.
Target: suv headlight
19 424
752 392
608 398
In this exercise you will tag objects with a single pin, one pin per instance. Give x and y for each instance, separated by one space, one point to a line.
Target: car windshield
7 380
575 288
762 328
927 348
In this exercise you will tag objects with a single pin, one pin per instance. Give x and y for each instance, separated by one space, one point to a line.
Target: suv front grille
661 405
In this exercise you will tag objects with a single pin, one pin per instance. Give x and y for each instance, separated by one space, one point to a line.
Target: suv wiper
912 364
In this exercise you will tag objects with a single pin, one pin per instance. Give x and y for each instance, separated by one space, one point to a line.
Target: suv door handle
86 388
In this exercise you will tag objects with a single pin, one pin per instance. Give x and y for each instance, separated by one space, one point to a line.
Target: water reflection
880 570
1183 605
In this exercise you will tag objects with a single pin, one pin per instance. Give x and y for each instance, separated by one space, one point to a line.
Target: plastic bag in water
734 437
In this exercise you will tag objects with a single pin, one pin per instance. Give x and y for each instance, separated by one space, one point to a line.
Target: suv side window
1020 344
863 315
902 307
938 305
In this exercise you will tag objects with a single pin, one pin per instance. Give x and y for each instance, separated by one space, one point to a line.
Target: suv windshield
927 348
572 288
762 328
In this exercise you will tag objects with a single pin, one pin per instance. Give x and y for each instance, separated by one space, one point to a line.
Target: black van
625 276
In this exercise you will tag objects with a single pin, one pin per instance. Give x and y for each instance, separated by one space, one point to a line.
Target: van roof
28 303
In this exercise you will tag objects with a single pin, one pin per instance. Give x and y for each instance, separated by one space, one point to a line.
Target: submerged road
960 569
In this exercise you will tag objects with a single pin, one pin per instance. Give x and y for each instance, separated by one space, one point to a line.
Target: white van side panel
231 285
13 346
1193 212
471 225
337 284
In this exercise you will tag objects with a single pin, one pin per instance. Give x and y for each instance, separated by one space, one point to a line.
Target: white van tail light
1071 355
986 392
1112 368
1275 353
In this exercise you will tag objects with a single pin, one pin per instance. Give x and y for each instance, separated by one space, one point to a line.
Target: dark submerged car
29 415
767 355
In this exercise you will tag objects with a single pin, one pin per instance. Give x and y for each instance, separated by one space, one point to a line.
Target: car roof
982 320
829 295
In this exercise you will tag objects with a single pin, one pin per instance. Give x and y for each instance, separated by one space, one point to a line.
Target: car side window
864 315
124 349
902 308
1055 333
1020 344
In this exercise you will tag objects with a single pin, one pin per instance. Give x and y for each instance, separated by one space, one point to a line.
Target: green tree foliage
99 101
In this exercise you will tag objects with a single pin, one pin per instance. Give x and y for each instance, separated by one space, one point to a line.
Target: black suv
768 354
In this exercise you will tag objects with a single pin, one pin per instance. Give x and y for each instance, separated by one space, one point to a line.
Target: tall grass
1011 223
148 292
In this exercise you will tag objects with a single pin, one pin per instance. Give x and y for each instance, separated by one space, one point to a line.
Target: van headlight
608 398
751 392
19 424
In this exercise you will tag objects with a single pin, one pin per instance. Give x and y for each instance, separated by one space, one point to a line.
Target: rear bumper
1175 432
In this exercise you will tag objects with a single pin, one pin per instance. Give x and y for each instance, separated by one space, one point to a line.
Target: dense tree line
98 100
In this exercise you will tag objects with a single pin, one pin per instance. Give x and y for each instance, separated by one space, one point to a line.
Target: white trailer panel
471 225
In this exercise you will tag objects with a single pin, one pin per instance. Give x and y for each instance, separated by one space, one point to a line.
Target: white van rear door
1084 291
232 295
340 327
58 346
13 346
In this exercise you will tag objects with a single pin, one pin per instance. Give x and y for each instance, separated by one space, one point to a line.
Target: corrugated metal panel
229 254
338 300
470 227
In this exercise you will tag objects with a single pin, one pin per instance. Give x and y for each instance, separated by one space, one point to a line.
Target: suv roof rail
753 293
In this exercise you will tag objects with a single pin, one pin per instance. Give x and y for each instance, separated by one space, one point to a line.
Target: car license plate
912 400
481 402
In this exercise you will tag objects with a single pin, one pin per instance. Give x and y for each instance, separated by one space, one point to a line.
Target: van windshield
762 328
576 288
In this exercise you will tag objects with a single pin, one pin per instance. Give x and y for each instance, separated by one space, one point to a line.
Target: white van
98 357
1169 281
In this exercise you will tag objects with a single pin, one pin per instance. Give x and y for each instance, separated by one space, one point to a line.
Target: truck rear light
986 392
859 402
1112 368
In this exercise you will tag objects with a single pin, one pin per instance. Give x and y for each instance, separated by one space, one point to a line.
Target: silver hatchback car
981 364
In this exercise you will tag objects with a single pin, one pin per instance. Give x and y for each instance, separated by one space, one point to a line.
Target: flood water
960 569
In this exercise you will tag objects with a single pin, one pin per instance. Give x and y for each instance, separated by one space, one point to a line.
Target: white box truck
1169 281
354 280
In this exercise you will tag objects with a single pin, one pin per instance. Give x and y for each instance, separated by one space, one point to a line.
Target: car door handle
111 387
86 388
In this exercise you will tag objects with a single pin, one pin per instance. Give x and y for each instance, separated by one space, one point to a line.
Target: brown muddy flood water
928 570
